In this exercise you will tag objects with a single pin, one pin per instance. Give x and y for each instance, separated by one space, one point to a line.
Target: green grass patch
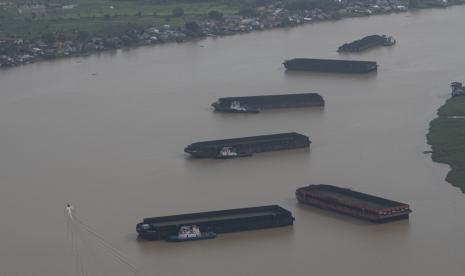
447 139
99 16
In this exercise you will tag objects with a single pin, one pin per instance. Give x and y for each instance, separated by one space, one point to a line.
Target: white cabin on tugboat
191 233
226 152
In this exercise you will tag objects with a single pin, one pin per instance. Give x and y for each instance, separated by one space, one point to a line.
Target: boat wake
84 238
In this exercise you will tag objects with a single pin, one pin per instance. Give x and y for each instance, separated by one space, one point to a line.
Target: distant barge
366 43
346 201
208 224
253 104
246 146
330 65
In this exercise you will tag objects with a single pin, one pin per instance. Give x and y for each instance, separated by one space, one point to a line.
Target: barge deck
253 104
330 65
215 222
246 146
366 43
346 201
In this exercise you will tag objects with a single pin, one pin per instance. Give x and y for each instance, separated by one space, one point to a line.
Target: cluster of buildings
19 51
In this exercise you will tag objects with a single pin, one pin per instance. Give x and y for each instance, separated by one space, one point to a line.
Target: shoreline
31 51
446 136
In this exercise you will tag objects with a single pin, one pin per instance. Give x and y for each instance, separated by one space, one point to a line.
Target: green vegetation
311 4
447 139
33 19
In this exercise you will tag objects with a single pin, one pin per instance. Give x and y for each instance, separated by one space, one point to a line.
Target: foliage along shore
447 139
44 29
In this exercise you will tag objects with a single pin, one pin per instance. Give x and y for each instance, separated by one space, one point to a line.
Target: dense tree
192 26
216 15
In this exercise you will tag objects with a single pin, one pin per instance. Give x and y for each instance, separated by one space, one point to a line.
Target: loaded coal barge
206 225
246 146
346 201
330 65
366 43
253 104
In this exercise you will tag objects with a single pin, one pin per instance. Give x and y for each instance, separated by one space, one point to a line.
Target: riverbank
38 32
447 139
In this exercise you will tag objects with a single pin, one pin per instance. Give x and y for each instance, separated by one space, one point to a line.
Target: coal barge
208 224
366 43
330 65
253 104
246 146
346 201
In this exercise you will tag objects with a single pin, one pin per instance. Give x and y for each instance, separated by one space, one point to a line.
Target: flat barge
366 43
215 222
246 146
253 104
330 65
346 201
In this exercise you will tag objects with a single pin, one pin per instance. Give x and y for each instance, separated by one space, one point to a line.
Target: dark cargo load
346 201
366 43
246 146
256 103
330 65
233 220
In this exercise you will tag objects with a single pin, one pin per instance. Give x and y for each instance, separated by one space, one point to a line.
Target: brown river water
107 133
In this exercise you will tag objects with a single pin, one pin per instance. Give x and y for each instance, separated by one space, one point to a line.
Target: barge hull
269 102
225 221
364 43
330 65
356 204
246 146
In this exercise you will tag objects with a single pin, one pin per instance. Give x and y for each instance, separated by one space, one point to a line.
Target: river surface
107 133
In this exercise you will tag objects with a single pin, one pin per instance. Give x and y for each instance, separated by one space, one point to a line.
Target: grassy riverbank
32 30
447 139
32 19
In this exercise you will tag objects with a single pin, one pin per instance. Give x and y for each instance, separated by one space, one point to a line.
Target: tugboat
190 233
235 107
389 41
230 152
457 89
